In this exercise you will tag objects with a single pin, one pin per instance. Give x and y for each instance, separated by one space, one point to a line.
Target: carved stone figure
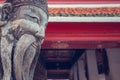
22 24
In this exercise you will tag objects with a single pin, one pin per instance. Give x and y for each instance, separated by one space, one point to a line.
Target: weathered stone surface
22 33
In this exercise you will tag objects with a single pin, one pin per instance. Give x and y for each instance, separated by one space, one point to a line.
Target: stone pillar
114 63
107 77
71 74
75 72
92 65
81 70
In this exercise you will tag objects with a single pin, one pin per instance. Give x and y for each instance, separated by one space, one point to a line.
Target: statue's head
38 3
27 13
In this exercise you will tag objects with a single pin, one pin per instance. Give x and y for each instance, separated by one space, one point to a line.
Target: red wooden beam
76 31
2 1
82 35
83 27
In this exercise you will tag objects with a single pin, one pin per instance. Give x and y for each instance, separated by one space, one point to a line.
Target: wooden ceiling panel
58 55
58 59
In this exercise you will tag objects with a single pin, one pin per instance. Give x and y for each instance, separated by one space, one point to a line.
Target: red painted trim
83 27
83 37
2 1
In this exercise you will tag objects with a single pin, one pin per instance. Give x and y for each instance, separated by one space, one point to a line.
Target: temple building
82 41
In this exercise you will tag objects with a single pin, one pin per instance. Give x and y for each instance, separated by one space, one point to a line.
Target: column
71 74
92 65
114 63
107 77
75 72
81 70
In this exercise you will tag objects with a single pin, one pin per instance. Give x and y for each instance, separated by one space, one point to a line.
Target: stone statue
22 27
